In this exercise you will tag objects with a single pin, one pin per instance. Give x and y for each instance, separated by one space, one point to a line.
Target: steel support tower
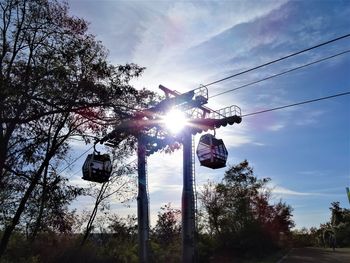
188 201
142 202
147 127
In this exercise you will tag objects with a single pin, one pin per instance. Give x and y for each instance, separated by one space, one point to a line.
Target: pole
142 203
188 213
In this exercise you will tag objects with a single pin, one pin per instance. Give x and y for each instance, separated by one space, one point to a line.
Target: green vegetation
338 226
56 86
239 219
236 219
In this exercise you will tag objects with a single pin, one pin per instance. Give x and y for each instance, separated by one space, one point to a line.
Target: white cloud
236 140
237 135
170 36
310 118
165 178
314 173
259 144
280 190
167 188
276 127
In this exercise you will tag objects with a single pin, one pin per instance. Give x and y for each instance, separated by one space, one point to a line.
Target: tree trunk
4 141
9 229
93 214
2 161
42 206
89 225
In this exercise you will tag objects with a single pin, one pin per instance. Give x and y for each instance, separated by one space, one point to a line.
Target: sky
305 150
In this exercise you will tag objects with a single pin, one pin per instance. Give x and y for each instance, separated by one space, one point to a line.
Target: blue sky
305 150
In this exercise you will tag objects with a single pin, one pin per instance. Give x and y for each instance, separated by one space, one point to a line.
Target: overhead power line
281 73
279 59
297 103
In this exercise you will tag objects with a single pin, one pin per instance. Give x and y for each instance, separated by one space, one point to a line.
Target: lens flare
175 121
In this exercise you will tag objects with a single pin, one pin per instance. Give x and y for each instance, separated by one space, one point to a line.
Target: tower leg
188 206
142 204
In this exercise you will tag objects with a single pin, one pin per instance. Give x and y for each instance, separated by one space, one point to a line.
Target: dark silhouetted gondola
211 152
97 168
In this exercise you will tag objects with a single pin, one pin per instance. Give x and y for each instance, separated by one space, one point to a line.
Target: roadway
317 255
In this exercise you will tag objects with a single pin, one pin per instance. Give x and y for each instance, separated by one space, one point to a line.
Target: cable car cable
296 104
282 73
76 159
279 59
79 170
75 173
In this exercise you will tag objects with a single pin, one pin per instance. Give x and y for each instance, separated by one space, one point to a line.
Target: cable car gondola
211 152
97 167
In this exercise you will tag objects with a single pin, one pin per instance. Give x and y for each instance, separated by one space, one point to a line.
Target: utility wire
279 59
281 73
296 104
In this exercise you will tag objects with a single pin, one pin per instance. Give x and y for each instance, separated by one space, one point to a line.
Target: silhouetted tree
168 226
337 213
47 209
123 244
240 217
35 173
340 224
32 166
166 235
55 83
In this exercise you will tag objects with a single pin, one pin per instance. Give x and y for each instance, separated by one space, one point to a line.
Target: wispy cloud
280 191
167 187
237 135
165 174
317 173
183 30
276 127
310 118
288 192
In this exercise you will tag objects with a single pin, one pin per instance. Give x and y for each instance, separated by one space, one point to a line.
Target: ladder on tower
195 208
194 178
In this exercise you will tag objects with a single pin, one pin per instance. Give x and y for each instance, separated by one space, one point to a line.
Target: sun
175 120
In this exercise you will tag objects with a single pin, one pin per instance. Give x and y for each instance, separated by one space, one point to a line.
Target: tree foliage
340 222
239 216
55 84
166 235
337 228
123 244
168 226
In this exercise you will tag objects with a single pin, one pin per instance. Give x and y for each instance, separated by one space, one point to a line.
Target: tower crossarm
149 122
223 117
